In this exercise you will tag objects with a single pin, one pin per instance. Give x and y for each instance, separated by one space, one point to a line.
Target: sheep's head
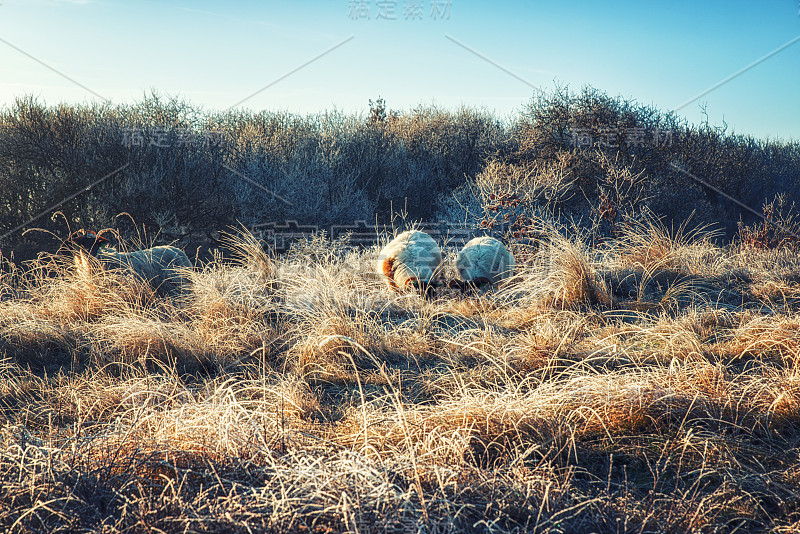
87 240
425 288
469 285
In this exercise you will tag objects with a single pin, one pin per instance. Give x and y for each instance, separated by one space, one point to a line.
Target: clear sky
449 53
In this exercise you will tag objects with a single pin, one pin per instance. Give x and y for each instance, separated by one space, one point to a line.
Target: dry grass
653 386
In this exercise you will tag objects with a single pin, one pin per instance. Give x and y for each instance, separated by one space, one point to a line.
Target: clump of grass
646 243
572 280
252 254
84 295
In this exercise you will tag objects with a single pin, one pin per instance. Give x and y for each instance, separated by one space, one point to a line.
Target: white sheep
412 260
159 266
483 260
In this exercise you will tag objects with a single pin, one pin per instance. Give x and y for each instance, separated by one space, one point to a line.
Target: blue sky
217 53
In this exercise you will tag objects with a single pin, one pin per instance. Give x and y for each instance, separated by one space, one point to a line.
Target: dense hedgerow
188 172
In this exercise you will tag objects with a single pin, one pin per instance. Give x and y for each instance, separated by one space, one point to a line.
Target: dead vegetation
650 385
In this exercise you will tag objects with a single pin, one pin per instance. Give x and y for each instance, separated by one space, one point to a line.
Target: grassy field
648 385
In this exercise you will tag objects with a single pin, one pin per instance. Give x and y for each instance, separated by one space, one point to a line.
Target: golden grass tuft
572 280
649 245
89 292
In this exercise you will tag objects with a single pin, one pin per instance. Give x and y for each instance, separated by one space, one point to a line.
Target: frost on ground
631 389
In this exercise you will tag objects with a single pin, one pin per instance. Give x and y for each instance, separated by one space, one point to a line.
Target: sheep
483 260
412 260
159 266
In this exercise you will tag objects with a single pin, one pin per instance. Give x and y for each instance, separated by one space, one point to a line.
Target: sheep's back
160 266
484 257
412 255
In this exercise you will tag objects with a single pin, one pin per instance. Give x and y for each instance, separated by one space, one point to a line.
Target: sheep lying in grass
483 260
159 266
412 260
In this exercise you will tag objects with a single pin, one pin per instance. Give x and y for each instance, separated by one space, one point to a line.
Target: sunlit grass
639 388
